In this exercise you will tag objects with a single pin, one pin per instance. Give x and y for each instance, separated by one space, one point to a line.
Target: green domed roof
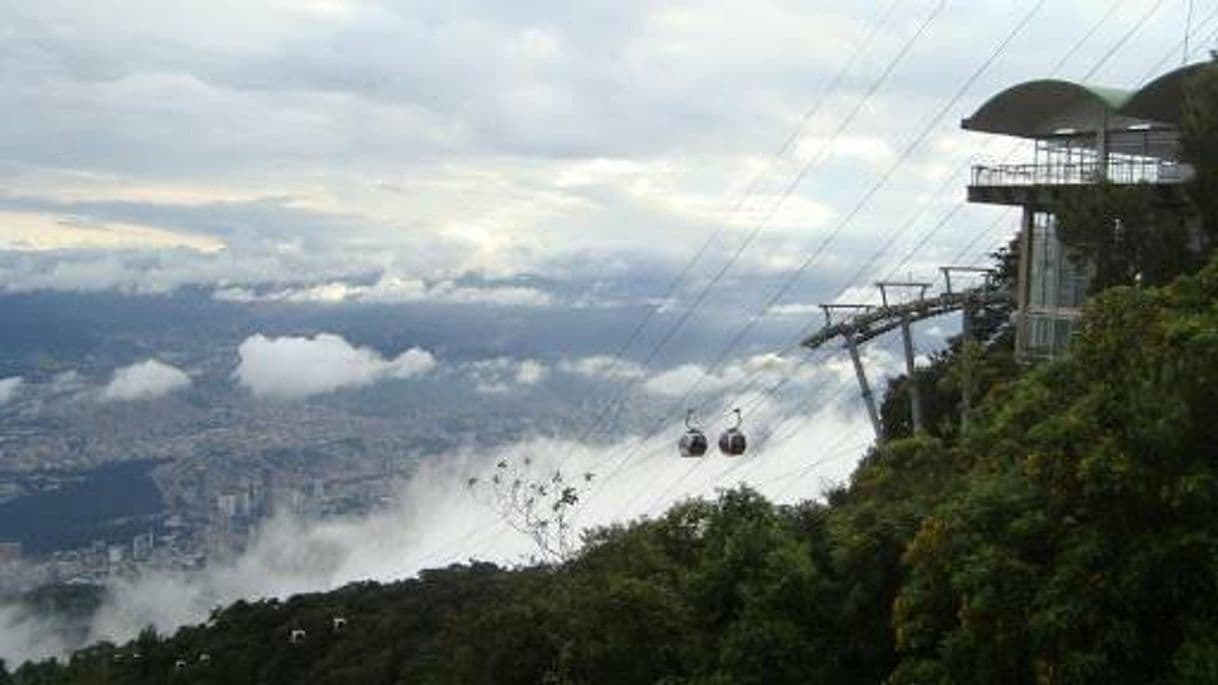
1051 106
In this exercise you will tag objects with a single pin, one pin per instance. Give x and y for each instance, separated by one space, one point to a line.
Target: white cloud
750 373
602 366
392 289
8 388
795 309
295 368
531 372
146 380
675 381
41 232
502 374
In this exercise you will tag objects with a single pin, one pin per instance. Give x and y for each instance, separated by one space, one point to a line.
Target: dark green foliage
1128 238
1083 546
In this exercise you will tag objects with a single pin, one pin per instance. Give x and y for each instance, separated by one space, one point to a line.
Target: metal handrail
1123 171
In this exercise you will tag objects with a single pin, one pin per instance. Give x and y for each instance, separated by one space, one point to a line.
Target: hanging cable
751 236
794 275
1137 26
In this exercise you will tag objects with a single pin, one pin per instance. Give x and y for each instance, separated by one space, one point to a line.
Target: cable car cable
807 116
868 195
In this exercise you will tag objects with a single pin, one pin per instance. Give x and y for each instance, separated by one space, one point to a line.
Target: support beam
949 270
966 355
865 388
1023 292
915 397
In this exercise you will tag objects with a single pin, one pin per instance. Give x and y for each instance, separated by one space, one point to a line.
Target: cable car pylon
866 322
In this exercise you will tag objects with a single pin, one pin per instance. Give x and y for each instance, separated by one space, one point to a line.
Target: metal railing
1124 171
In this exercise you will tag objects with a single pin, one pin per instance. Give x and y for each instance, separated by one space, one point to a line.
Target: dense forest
1063 531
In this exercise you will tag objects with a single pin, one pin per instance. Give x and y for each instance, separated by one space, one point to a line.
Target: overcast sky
387 147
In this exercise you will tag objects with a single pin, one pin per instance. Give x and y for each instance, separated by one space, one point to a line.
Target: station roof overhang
1053 107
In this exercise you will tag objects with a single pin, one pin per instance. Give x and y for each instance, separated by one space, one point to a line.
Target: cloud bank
8 388
602 366
434 522
298 367
503 374
393 289
146 380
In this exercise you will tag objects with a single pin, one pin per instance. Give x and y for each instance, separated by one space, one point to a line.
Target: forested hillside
1068 534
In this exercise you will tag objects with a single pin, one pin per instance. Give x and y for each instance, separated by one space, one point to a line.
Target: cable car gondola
693 444
731 441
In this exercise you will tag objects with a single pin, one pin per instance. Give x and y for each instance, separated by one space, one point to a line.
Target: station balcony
1043 183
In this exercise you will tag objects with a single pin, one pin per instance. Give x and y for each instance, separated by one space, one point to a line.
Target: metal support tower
915 396
868 322
911 381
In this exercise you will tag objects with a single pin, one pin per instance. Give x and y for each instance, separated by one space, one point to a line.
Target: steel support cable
1061 62
743 463
497 527
753 380
840 387
837 448
1107 56
840 76
867 197
667 447
1196 30
789 282
1146 77
1087 36
829 91
982 235
799 471
1057 67
816 464
736 467
1188 26
696 466
788 190
836 451
1095 68
1036 8
753 184
1112 50
826 94
801 421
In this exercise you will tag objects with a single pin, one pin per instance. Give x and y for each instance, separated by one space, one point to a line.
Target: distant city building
10 551
1081 136
141 547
